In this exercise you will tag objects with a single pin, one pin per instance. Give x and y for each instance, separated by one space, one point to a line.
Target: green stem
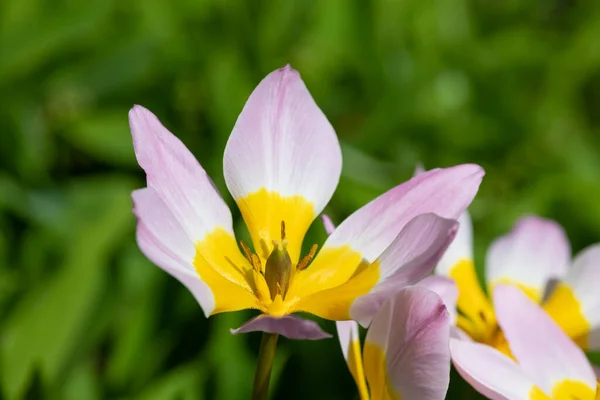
266 355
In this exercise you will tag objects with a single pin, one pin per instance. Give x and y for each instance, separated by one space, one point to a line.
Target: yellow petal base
263 212
376 372
566 311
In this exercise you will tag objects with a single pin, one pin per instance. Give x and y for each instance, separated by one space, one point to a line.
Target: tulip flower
405 355
282 164
544 363
535 257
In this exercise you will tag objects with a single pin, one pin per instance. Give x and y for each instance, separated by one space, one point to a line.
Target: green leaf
44 327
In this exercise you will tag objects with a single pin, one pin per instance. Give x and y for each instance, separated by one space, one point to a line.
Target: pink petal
176 177
490 372
461 247
410 258
350 344
445 288
327 224
165 243
347 334
290 326
283 142
584 280
446 192
412 330
535 251
542 349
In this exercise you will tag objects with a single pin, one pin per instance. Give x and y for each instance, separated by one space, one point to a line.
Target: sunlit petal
366 233
535 251
491 373
406 349
282 161
542 349
350 344
164 241
409 258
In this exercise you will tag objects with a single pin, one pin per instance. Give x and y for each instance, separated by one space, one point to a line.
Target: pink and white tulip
545 363
282 164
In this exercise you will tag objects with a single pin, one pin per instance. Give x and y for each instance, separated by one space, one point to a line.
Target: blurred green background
512 85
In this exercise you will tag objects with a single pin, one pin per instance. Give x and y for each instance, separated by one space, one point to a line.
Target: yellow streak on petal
598 390
263 212
227 273
355 364
572 389
334 303
537 394
533 293
332 267
566 311
377 374
472 302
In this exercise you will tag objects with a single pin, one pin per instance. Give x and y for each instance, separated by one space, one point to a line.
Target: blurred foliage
511 85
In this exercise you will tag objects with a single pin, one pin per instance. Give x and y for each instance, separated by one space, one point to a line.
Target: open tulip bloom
544 363
405 355
535 257
282 164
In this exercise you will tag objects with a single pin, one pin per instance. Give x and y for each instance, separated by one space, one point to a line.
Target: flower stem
266 355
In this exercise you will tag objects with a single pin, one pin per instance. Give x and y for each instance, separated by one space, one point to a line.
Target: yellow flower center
273 282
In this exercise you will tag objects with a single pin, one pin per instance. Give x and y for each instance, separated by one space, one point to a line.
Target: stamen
256 263
306 260
247 251
282 230
482 316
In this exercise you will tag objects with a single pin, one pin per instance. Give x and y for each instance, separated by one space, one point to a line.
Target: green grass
511 85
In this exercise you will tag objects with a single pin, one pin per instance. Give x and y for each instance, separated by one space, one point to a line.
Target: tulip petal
445 288
290 326
542 349
165 242
457 263
461 247
282 161
535 251
180 184
406 349
366 233
490 372
177 177
575 304
409 258
327 224
350 343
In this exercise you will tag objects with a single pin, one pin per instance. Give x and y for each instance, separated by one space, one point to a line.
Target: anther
482 316
282 230
255 261
306 260
247 251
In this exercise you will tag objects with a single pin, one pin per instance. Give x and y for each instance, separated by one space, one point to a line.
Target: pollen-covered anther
252 257
307 259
